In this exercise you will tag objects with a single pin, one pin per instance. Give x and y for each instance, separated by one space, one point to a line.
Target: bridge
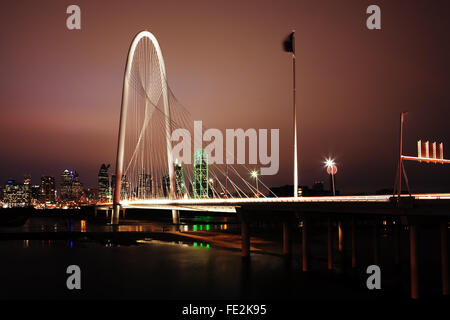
148 177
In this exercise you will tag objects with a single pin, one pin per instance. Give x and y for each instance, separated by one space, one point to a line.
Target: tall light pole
254 174
289 46
331 170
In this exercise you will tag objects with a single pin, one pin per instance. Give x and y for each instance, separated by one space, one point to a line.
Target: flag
289 43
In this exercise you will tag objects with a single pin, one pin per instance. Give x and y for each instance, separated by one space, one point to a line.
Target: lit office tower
125 188
144 190
27 189
66 185
179 180
103 183
27 180
201 174
14 194
35 194
48 189
77 187
165 185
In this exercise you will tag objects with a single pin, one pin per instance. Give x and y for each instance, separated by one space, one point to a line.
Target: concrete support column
305 244
175 216
376 249
396 239
330 244
444 257
115 214
245 237
287 246
353 243
340 236
95 211
123 213
414 262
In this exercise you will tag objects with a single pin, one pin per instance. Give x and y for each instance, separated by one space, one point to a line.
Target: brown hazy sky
60 90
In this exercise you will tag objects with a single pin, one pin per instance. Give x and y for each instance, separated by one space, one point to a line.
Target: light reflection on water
54 224
161 265
51 225
92 244
64 224
156 270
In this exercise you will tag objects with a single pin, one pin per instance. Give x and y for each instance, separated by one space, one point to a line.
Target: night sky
60 90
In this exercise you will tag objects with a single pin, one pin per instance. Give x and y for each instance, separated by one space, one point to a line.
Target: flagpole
295 121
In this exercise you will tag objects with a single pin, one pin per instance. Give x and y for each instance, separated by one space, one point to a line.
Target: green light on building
179 180
201 179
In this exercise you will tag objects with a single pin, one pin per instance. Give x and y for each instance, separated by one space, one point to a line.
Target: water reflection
200 244
54 224
107 243
204 227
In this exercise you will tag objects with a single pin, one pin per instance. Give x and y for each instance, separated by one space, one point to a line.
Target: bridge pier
376 251
341 245
305 244
115 214
245 237
341 236
414 261
353 243
287 246
444 257
330 244
396 240
176 216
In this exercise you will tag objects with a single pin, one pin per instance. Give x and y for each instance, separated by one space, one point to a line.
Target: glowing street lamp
254 174
331 170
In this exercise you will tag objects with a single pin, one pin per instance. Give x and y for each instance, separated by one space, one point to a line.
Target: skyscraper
27 189
144 190
15 195
103 183
47 189
201 174
71 186
66 185
77 187
35 194
179 180
125 188
166 185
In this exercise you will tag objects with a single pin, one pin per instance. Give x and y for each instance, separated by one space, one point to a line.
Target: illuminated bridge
149 176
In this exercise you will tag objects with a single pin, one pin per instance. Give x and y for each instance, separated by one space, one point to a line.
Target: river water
152 269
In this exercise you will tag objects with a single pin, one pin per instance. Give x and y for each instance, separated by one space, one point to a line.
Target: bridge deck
430 204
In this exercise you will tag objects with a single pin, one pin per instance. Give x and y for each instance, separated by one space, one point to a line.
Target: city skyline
221 72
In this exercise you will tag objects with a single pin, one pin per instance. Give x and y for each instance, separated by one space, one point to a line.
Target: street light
331 170
254 174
